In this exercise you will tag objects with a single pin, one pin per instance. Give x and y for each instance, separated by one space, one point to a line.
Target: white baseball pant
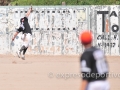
26 39
98 85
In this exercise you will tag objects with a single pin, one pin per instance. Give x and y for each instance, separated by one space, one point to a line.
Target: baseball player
27 33
94 67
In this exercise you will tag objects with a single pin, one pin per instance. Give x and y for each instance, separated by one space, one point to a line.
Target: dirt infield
48 73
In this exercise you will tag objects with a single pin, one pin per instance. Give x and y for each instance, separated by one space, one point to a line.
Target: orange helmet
85 37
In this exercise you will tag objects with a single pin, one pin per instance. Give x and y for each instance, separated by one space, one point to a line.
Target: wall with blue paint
56 29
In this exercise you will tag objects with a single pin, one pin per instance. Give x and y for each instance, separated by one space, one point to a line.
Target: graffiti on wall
56 29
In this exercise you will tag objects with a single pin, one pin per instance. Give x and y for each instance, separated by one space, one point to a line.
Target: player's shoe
18 54
23 57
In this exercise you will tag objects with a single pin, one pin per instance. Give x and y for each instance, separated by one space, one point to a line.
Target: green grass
68 2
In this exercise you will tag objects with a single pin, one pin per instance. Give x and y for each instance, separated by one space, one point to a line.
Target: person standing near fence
27 34
94 67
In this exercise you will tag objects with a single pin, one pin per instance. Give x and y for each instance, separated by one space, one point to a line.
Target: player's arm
84 84
16 33
28 12
85 70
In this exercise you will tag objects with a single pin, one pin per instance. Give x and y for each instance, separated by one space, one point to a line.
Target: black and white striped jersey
93 65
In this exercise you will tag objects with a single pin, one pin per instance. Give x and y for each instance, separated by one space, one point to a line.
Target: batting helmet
86 37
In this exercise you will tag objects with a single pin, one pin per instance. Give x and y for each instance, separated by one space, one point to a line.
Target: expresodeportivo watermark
80 75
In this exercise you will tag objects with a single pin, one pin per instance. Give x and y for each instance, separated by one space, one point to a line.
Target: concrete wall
56 28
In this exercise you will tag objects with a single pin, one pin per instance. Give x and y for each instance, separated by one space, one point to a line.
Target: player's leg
26 44
24 51
21 49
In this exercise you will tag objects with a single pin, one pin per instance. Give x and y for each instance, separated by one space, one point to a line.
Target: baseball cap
85 37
